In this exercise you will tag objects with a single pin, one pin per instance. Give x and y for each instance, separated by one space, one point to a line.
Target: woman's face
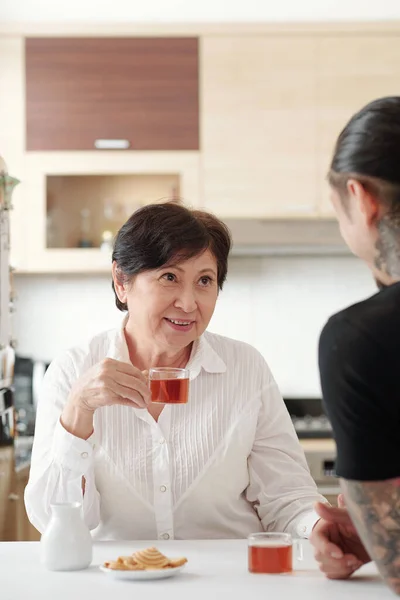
173 305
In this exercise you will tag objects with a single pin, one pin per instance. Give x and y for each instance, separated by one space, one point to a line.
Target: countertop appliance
315 434
308 418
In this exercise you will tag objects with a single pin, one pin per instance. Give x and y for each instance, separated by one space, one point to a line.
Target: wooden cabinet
352 70
60 185
140 90
258 125
272 102
14 523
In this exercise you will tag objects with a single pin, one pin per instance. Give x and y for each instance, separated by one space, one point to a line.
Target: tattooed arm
375 510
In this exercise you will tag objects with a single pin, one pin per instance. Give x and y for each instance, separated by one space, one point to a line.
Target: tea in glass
270 553
169 385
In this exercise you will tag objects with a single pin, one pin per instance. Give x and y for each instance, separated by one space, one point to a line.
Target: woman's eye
205 280
168 277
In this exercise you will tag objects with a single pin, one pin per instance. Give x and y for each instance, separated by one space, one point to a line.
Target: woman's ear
367 204
119 285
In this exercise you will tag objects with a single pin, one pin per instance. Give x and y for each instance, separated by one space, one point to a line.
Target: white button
162 441
84 454
304 528
163 488
165 536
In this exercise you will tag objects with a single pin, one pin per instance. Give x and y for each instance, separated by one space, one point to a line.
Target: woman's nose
186 300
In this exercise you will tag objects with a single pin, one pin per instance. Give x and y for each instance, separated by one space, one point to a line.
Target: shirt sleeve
281 486
59 459
357 386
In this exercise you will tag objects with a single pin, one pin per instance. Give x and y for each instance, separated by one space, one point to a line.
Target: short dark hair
368 150
159 233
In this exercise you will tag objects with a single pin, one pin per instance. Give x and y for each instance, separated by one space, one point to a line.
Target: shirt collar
203 355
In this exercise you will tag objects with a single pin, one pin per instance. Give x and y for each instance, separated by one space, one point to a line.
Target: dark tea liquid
270 558
169 391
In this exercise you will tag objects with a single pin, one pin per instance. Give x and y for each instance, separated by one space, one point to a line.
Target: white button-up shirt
225 465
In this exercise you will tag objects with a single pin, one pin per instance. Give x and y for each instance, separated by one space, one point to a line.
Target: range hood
257 237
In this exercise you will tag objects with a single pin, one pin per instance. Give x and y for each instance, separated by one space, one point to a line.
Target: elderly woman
224 465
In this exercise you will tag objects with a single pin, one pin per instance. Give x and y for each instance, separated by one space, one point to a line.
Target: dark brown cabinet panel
143 90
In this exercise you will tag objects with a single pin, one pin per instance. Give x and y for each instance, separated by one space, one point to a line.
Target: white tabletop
214 567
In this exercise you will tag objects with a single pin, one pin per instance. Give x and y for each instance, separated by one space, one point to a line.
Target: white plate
140 575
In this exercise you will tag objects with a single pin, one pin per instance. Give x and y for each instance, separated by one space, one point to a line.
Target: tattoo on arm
374 507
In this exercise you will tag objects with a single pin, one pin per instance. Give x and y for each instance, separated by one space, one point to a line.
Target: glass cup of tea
272 552
169 385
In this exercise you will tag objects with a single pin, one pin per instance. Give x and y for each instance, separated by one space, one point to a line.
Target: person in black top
359 354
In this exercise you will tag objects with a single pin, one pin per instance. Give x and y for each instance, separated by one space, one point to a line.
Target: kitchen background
259 92
278 304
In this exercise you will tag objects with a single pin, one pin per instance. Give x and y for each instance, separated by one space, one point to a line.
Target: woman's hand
111 382
107 383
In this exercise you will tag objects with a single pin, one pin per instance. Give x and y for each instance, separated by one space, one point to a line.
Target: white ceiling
119 11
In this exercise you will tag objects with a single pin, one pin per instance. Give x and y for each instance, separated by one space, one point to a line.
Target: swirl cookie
150 559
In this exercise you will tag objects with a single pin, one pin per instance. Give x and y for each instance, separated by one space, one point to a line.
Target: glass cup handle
298 549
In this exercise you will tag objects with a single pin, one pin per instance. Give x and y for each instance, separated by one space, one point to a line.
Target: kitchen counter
318 445
215 567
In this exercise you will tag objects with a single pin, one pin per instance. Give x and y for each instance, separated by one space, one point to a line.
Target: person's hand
337 546
110 382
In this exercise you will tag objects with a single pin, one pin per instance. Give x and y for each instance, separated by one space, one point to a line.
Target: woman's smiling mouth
180 324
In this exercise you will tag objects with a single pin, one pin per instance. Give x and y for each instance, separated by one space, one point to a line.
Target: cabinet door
140 90
258 125
352 71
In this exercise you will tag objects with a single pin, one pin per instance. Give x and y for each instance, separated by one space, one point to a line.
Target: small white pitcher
66 545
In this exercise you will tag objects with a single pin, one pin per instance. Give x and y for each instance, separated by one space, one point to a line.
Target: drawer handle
111 144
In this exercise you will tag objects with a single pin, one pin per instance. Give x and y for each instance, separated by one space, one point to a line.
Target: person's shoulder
81 357
235 352
372 320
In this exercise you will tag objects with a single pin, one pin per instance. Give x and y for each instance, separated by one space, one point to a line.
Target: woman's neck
145 356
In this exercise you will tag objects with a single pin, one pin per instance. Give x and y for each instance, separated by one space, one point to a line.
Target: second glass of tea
272 552
169 385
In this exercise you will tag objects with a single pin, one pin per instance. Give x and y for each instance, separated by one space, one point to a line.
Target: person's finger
332 514
126 402
130 369
132 383
338 569
344 573
348 561
339 574
341 501
128 394
322 544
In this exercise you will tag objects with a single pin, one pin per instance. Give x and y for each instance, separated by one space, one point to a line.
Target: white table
215 569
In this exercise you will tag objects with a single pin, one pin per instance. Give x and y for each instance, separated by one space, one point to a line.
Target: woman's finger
129 369
125 402
132 383
128 394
